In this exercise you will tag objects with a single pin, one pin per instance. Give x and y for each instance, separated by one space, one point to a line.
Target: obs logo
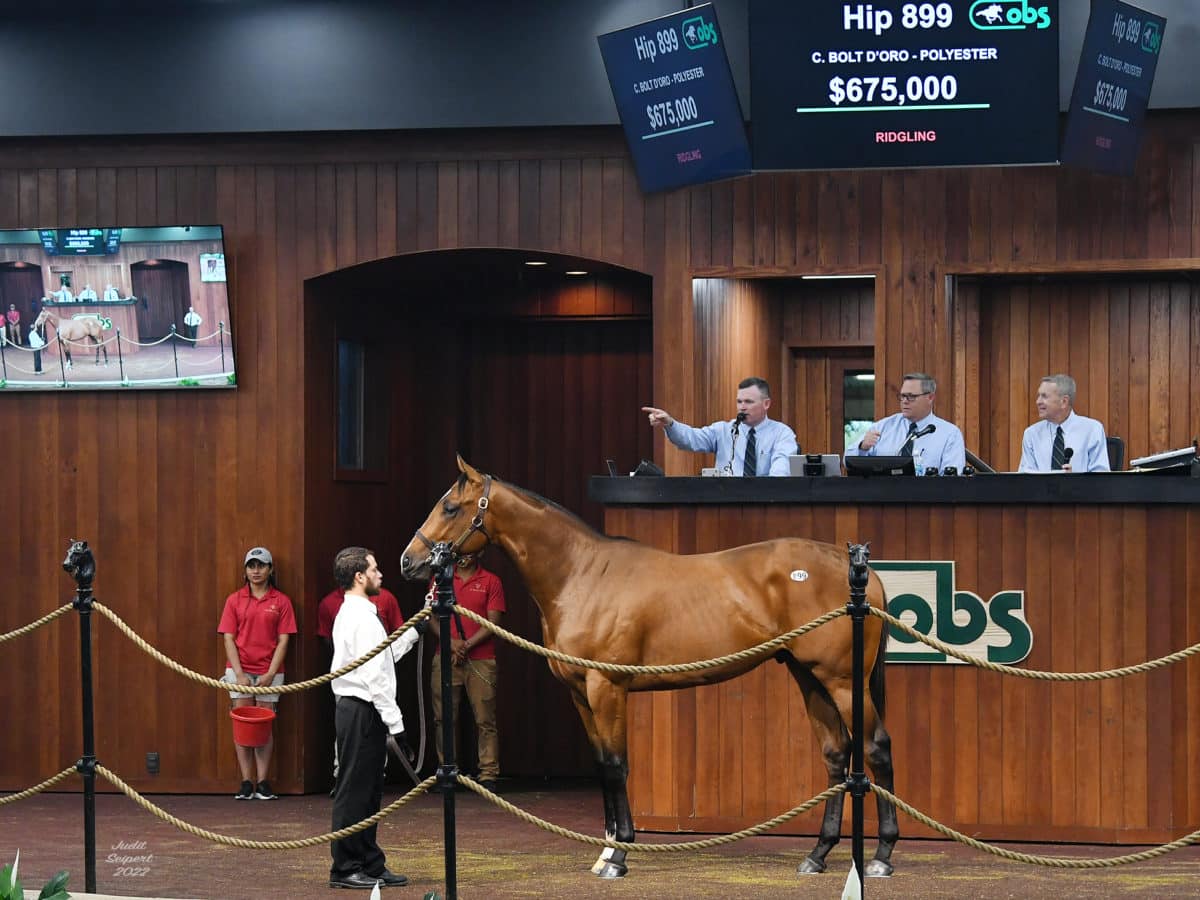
698 34
1006 15
922 595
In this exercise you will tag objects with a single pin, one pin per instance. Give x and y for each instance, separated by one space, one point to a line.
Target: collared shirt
192 318
356 631
774 441
1085 436
944 447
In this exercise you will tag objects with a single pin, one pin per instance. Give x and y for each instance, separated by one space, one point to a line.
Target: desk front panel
1106 585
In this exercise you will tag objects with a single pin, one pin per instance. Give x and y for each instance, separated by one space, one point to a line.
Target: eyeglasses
911 397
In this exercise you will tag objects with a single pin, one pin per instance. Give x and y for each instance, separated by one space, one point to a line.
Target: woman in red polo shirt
256 623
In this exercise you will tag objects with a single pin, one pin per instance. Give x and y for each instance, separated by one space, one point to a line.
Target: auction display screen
1112 87
892 83
675 95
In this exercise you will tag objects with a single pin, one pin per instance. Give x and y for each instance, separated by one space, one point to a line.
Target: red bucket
251 725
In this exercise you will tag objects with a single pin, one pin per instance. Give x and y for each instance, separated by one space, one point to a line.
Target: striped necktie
907 448
750 463
1059 454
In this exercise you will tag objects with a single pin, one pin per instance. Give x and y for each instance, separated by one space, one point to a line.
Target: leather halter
476 521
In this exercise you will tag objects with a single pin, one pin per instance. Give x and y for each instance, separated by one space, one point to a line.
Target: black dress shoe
391 879
358 880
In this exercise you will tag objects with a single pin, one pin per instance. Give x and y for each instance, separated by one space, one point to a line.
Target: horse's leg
834 741
589 726
608 704
879 756
878 750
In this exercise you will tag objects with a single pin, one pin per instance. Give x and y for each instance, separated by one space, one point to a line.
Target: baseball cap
262 554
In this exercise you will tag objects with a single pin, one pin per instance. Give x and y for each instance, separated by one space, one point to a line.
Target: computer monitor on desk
879 465
831 464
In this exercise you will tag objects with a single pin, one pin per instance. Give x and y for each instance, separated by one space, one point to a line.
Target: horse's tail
877 684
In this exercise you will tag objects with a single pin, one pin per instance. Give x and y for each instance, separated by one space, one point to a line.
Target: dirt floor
153 367
502 857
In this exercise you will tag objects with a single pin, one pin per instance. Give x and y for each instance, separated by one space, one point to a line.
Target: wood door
818 395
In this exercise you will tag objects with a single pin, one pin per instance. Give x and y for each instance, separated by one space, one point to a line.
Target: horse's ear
467 469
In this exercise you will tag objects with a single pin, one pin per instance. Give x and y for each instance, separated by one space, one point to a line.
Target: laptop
831 464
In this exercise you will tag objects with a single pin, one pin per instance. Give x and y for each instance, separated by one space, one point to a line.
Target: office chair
1116 453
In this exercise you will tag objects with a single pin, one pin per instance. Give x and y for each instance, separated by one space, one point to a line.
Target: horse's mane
536 499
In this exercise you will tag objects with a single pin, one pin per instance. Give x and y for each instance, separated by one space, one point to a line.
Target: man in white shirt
367 721
191 321
1045 444
87 295
110 293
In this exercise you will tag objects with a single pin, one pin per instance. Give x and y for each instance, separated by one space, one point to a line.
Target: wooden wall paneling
1138 381
1165 707
1052 789
1111 614
783 213
1179 362
1085 805
765 191
808 222
743 215
611 209
1138 699
969 752
942 731
549 204
1159 379
570 214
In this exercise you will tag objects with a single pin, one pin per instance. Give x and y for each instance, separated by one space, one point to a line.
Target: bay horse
619 601
77 330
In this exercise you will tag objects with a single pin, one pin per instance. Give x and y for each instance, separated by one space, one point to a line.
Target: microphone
1068 452
738 420
928 429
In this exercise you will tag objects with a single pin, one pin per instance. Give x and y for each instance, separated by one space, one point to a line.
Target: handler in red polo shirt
474 657
256 624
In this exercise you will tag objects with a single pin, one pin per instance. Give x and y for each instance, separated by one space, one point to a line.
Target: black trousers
362 751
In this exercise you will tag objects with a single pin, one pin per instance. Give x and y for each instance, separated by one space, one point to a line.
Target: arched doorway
532 374
21 286
163 291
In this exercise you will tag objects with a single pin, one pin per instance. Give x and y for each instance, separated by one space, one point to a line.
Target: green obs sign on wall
922 595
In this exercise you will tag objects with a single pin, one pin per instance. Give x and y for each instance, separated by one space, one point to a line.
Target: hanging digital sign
676 98
1112 87
837 85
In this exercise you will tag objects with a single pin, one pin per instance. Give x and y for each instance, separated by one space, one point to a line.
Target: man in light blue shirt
770 443
915 428
1044 446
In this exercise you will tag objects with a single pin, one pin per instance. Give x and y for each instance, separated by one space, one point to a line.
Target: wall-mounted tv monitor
114 309
879 465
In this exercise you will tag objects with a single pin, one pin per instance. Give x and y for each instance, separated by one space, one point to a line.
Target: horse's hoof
605 868
878 868
810 866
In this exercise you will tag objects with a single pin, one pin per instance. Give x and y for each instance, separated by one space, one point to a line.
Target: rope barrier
757 650
140 344
32 626
652 848
1054 862
198 338
37 789
1137 669
246 844
255 689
